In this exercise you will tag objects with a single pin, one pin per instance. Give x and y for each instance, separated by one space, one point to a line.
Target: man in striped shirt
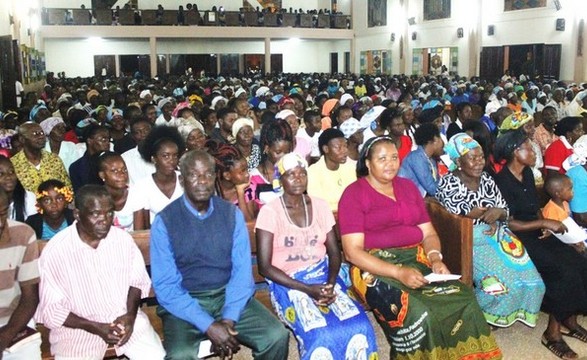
92 280
19 283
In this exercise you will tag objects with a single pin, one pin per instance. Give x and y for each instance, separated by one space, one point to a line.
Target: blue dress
507 285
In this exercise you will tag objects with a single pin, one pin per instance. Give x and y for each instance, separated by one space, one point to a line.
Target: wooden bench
149 305
456 238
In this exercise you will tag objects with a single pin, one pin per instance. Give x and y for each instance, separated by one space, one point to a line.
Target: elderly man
33 164
92 280
19 284
201 269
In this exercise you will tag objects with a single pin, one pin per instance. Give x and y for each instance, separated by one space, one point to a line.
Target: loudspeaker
414 36
558 5
412 21
490 30
460 33
560 24
392 38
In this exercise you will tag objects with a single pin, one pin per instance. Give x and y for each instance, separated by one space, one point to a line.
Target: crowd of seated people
312 157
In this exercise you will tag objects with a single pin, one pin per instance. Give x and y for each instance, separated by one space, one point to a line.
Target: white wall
535 26
298 55
512 28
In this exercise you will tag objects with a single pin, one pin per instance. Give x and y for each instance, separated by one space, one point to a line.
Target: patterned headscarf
459 145
515 121
48 124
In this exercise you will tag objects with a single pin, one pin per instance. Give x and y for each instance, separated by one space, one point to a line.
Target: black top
36 222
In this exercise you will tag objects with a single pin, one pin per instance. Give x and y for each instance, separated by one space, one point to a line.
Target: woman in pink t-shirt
298 253
388 237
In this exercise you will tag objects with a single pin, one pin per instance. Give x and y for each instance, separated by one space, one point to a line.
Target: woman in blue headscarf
507 285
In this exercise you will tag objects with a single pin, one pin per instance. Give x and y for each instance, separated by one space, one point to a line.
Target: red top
556 153
384 222
406 147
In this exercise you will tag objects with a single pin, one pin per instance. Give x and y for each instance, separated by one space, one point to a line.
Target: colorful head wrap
349 127
459 145
371 115
91 94
240 123
290 161
195 98
35 110
48 124
328 106
515 121
116 112
180 107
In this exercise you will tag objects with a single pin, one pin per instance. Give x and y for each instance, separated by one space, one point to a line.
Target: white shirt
137 167
312 140
156 200
161 121
91 283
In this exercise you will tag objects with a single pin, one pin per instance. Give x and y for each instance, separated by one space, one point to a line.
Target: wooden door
7 74
491 62
551 61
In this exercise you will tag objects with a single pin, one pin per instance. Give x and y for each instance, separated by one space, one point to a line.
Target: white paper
433 277
575 233
204 349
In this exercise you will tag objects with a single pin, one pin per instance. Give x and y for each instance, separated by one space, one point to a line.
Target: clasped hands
322 294
222 335
117 332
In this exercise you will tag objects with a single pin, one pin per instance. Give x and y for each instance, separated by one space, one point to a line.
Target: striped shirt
18 265
91 283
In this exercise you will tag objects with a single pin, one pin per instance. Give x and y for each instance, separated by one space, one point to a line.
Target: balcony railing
126 17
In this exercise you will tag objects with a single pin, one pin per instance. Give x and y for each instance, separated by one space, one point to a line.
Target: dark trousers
257 329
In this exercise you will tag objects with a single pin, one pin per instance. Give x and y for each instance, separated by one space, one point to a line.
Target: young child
53 215
560 189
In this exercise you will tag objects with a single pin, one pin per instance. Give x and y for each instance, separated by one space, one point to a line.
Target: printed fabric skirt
339 331
438 321
507 285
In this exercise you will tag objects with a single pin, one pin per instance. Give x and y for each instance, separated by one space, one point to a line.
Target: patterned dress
507 285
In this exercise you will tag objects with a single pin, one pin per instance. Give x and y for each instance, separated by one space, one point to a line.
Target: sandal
559 348
578 333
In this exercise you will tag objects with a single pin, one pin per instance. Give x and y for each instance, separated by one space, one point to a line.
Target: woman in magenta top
392 245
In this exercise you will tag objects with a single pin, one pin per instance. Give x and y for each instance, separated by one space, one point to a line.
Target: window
436 9
510 5
376 13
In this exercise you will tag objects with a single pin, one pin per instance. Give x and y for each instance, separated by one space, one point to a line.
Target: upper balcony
72 23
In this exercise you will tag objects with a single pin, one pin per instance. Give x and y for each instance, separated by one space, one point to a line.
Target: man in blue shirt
201 272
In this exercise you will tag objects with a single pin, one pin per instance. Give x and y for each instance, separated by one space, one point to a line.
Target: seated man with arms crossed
93 277
201 269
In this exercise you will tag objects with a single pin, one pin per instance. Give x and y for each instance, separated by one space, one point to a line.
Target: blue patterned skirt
339 331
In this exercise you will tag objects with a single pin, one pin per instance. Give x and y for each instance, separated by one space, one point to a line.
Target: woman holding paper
563 270
388 237
507 285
